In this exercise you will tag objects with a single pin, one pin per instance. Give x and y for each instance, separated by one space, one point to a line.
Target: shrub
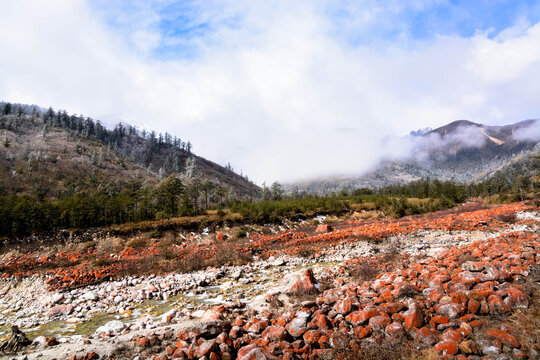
507 218
109 246
102 262
155 234
242 232
138 243
306 252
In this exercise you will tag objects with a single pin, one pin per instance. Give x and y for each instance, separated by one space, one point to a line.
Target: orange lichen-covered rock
394 329
497 306
252 352
516 299
379 322
363 331
274 333
503 337
344 306
324 228
205 348
413 318
142 342
426 335
297 327
312 337
447 347
451 311
306 284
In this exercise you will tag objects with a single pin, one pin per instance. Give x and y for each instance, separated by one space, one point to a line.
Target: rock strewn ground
456 302
65 270
453 306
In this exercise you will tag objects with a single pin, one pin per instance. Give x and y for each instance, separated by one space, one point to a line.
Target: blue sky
185 25
465 17
277 88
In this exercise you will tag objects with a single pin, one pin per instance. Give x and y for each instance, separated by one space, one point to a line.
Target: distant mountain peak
453 126
420 132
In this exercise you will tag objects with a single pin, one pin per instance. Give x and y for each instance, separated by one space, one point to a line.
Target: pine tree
190 168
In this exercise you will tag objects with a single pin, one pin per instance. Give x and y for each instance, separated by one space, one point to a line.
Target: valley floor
455 284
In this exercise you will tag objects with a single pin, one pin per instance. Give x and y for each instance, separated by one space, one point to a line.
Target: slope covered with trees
60 171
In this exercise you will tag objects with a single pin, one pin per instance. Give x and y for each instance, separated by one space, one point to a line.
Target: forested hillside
60 170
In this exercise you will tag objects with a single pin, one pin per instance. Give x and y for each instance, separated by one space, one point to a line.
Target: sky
283 90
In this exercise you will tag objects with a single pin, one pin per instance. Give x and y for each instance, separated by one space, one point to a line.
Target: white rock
90 296
168 316
111 327
40 341
198 313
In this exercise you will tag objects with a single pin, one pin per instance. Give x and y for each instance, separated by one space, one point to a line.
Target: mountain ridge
462 151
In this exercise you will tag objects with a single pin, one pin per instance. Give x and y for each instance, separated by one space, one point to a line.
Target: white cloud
279 89
528 133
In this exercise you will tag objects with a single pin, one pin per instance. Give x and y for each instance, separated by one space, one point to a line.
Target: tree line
123 202
109 204
394 200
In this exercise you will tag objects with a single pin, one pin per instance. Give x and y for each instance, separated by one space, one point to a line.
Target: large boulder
299 283
302 282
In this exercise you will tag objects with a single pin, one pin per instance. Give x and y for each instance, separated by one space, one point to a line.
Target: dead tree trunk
16 341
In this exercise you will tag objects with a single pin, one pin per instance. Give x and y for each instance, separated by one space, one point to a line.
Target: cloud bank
282 90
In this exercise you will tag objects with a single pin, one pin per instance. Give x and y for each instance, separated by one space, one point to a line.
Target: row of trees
510 185
125 202
109 204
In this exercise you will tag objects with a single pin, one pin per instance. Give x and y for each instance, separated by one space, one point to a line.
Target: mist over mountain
462 151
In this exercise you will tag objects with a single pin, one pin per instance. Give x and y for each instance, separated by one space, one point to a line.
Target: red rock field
459 284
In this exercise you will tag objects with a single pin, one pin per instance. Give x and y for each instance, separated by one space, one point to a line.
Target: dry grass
167 240
138 243
361 350
364 271
307 252
168 260
109 246
187 222
228 255
425 354
367 206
